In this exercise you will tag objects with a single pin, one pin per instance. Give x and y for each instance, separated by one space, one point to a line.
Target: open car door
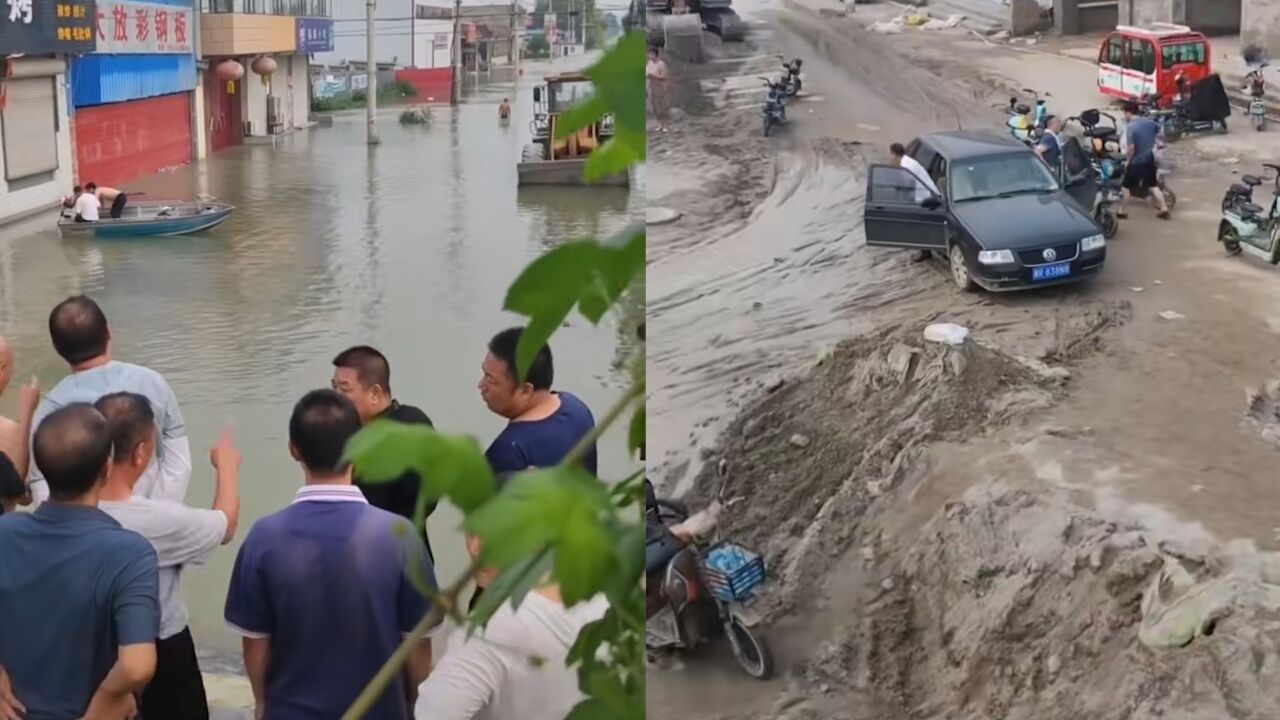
901 212
1076 175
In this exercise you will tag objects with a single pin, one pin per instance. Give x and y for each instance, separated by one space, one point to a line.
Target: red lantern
229 70
264 66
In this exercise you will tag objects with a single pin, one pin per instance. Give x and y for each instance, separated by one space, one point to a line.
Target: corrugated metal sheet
98 79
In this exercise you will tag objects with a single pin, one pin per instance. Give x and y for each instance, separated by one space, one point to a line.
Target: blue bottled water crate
733 573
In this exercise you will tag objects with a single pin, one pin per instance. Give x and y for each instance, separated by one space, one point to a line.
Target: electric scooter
1026 123
792 79
775 109
1247 226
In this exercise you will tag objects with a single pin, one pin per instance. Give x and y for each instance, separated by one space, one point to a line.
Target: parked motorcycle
1254 84
1199 108
705 592
792 79
1081 176
1026 123
1247 226
775 109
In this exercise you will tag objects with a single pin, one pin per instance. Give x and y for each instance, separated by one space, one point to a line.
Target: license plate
1050 272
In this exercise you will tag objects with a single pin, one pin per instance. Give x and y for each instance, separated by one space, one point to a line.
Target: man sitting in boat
109 195
83 203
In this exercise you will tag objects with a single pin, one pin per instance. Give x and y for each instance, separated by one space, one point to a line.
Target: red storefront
222 111
119 142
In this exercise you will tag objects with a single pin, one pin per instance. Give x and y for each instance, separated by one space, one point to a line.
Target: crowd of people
94 625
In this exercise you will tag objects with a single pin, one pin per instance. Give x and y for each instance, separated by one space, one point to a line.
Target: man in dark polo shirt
79 594
319 590
364 375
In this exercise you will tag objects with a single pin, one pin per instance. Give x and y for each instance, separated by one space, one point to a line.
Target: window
1186 52
938 171
1142 56
892 185
1113 51
1000 175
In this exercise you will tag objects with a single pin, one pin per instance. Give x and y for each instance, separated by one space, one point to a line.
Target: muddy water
409 247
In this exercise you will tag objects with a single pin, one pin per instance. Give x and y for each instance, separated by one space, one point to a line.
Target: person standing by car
924 183
1049 148
1141 177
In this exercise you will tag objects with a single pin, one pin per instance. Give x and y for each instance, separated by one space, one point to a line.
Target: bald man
15 436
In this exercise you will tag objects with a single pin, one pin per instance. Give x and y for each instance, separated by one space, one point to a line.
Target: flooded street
408 247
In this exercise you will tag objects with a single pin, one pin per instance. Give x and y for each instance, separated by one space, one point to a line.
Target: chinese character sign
314 35
40 26
141 27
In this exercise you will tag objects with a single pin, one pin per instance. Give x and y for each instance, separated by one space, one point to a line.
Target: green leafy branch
620 91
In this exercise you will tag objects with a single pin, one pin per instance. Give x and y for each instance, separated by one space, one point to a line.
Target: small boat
150 219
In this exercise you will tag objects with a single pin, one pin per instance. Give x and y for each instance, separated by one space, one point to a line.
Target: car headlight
995 257
1093 242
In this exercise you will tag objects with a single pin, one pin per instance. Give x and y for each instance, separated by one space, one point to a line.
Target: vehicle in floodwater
150 219
549 160
1002 220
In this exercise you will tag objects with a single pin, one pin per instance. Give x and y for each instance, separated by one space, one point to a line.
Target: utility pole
457 53
515 46
371 72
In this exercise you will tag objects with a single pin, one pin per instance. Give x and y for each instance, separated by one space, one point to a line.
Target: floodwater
409 247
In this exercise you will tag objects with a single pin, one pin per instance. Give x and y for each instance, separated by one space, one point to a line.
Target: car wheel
959 268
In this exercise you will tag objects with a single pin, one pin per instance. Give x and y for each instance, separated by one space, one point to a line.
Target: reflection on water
409 247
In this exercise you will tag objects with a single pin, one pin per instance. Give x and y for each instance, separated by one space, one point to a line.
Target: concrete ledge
271 139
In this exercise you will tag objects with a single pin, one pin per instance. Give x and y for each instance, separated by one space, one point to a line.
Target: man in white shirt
924 183
908 163
86 205
515 668
183 537
81 336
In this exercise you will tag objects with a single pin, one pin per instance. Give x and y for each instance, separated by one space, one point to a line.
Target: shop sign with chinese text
140 27
45 26
314 35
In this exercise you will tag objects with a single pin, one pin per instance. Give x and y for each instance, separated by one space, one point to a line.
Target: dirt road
1078 407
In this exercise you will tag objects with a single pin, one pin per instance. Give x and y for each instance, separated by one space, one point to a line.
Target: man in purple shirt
543 425
319 590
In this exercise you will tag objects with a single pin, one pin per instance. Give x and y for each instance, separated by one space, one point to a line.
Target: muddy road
1078 402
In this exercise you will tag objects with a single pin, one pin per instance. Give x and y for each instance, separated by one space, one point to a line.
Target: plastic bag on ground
946 333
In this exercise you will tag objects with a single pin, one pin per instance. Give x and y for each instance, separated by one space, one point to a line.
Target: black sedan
999 216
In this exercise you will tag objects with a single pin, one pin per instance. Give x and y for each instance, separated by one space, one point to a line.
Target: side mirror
537 94
933 202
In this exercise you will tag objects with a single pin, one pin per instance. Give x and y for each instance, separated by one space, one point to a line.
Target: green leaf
612 158
635 434
620 81
584 557
513 584
450 466
591 709
532 511
580 115
546 292
620 262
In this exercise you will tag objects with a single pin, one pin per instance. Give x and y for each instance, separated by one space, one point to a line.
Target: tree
556 524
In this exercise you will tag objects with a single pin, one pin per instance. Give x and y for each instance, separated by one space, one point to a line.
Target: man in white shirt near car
924 183
183 537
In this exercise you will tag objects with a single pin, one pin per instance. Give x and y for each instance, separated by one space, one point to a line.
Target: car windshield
1000 176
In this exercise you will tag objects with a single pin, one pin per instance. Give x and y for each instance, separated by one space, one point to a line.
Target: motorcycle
1203 107
775 109
792 80
1255 85
1110 162
1249 227
705 591
1081 176
1025 123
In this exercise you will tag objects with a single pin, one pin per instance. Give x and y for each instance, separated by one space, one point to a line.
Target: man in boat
83 203
504 110
109 195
